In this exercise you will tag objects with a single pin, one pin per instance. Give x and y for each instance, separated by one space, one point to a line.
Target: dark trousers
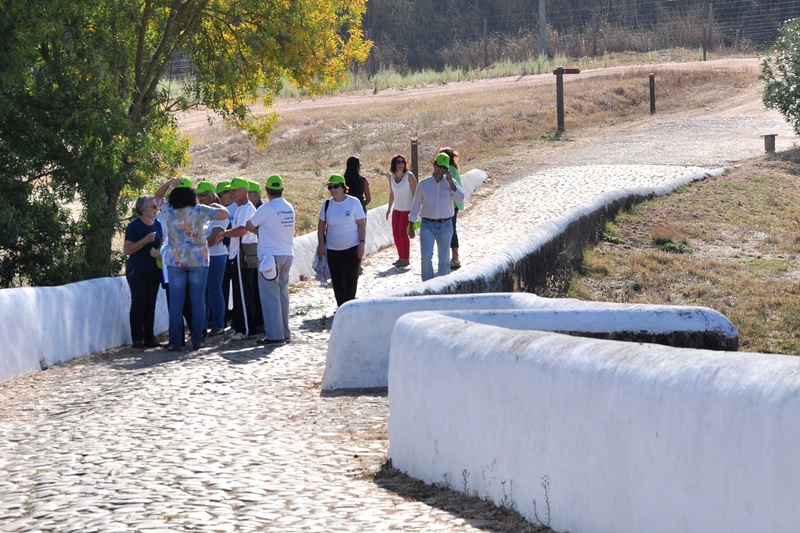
226 288
344 266
144 293
245 292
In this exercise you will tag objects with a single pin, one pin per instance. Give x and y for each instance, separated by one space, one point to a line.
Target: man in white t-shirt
274 221
245 313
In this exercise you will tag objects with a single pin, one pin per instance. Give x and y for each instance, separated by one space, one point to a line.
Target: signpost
559 72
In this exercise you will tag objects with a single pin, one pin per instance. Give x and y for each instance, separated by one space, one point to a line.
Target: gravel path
237 437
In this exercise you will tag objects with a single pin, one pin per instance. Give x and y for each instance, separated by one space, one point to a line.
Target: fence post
485 47
594 32
542 28
414 165
652 93
707 32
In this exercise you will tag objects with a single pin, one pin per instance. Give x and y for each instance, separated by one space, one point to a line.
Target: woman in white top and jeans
341 235
403 186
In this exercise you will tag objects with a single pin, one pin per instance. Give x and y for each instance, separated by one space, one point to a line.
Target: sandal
455 264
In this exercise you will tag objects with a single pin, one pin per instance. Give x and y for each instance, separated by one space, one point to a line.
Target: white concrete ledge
46 325
358 356
632 437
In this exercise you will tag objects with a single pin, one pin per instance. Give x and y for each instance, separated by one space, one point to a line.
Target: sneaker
287 340
196 346
215 331
237 336
455 264
137 344
402 264
175 349
153 344
270 341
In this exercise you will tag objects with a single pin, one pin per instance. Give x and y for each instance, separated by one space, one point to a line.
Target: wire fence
421 39
412 35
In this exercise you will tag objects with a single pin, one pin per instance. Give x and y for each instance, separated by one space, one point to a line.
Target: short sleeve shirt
341 217
275 223
141 259
186 234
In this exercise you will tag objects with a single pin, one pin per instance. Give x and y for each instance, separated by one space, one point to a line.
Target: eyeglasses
332 187
153 207
400 162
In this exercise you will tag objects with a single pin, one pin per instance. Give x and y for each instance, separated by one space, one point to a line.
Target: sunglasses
332 187
400 162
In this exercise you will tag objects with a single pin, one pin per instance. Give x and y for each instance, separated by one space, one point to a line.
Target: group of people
198 242
201 242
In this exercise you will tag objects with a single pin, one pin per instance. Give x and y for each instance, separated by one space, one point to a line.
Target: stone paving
237 437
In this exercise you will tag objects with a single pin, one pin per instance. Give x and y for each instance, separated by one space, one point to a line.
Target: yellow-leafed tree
85 114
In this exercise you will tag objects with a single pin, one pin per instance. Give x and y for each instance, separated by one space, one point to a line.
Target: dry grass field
505 126
730 243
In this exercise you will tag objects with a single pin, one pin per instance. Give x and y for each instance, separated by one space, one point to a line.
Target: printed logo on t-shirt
347 213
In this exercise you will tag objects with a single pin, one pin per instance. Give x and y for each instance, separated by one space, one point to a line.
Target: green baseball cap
336 179
253 186
223 186
205 186
274 183
186 183
239 183
443 160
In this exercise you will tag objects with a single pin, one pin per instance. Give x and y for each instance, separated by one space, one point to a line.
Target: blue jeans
441 233
215 300
179 278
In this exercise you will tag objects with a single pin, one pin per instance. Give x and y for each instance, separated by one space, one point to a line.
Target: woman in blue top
186 259
142 240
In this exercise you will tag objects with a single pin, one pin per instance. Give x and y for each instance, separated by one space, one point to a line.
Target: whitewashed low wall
358 356
46 325
631 437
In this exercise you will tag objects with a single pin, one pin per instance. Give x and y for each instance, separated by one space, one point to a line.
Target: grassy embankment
730 243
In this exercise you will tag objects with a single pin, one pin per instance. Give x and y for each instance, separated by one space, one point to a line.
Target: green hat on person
223 186
443 160
186 183
274 183
336 179
205 186
239 183
253 186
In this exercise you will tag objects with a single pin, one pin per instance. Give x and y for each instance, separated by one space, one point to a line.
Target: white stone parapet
625 436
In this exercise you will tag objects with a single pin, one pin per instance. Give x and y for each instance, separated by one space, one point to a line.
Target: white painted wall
358 356
633 437
46 325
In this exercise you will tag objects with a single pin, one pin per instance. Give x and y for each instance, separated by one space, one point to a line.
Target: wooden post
542 28
485 46
652 93
559 72
594 32
414 157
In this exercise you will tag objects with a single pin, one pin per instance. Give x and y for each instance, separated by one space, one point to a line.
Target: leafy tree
86 121
781 74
